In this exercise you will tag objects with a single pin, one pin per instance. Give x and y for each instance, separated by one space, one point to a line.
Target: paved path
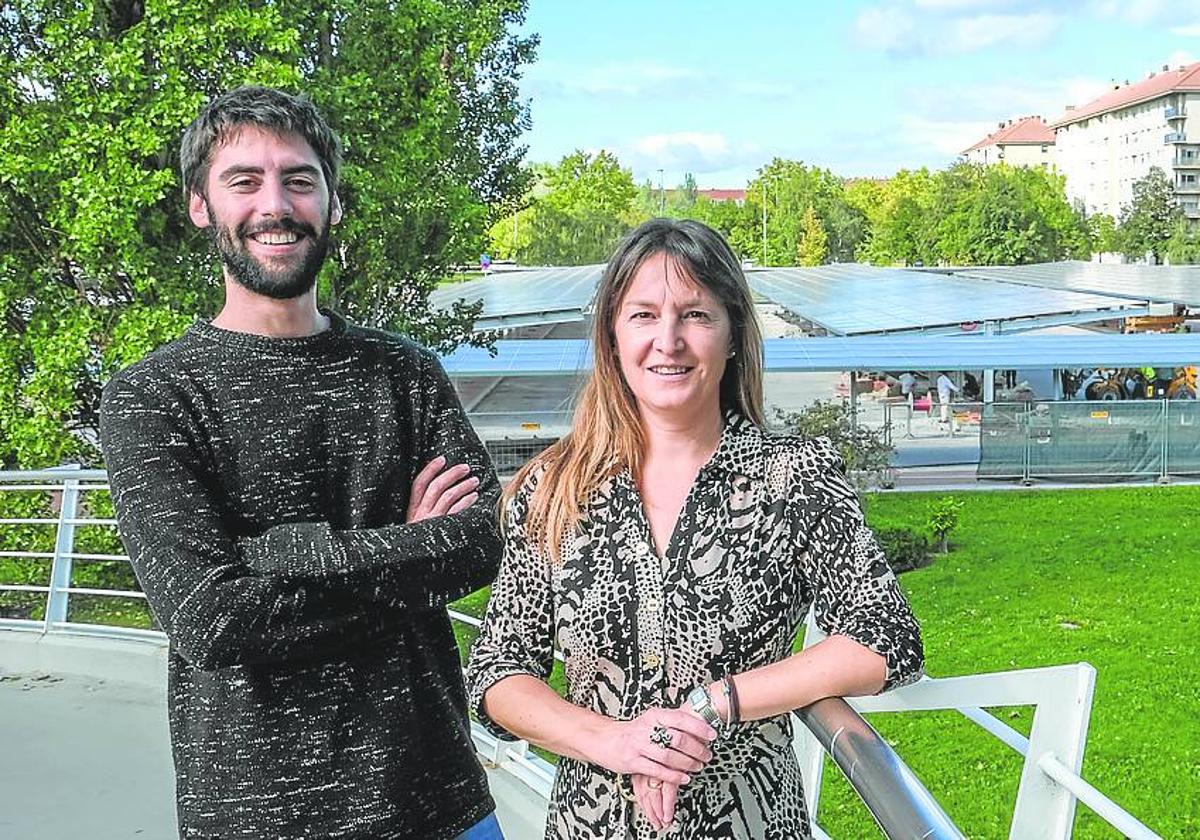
89 759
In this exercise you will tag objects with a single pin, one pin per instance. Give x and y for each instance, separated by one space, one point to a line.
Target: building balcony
1190 211
1174 137
1186 163
1174 113
1187 189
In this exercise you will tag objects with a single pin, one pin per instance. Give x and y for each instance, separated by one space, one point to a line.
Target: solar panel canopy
550 357
1158 283
852 299
521 298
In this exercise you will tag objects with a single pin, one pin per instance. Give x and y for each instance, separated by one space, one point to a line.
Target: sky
718 89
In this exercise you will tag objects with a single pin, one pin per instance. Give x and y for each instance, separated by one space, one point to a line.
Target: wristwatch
701 703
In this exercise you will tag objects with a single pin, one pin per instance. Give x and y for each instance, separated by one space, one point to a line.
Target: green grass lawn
1107 577
1036 578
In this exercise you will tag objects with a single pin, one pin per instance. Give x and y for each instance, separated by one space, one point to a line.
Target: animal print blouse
769 528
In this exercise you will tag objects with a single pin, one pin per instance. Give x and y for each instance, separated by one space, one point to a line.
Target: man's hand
439 490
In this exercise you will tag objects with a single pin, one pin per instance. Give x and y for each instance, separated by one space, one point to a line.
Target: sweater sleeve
432 562
215 610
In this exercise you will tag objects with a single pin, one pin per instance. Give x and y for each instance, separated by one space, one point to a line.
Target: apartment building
1027 141
1105 145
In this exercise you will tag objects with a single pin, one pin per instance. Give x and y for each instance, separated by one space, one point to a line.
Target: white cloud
977 33
950 26
1145 11
631 79
887 28
1191 30
946 137
955 5
687 151
1181 58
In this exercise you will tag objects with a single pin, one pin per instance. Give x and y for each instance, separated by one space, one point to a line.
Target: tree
98 262
901 218
1146 222
971 214
586 209
1183 248
813 241
1102 231
782 192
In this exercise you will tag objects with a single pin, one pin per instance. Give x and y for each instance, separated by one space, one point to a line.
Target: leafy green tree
1146 222
813 241
586 209
721 216
1102 232
901 219
783 191
1015 215
971 214
98 262
1183 248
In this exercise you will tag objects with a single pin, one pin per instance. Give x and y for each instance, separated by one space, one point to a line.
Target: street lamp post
764 220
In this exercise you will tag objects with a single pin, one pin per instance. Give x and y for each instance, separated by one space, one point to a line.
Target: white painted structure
1027 141
1104 146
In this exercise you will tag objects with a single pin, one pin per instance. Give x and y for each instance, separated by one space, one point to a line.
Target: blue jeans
486 829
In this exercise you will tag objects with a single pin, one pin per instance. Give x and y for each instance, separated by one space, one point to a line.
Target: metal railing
1050 781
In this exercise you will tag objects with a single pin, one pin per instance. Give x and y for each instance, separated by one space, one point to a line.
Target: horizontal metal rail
893 794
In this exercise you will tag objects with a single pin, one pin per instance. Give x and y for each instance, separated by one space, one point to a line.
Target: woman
671 549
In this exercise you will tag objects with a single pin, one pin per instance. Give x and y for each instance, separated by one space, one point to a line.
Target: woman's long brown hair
606 433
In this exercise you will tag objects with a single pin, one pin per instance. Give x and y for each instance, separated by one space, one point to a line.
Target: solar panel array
1158 283
854 299
543 295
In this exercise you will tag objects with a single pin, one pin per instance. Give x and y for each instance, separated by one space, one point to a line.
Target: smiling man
300 498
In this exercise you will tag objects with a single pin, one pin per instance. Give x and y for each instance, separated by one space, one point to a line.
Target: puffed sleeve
855 592
517 636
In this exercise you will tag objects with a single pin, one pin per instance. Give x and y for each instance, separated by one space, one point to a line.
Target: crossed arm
300 590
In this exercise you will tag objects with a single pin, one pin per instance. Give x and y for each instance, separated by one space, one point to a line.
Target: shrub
864 450
904 549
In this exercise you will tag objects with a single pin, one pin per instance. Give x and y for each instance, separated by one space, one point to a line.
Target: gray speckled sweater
261 486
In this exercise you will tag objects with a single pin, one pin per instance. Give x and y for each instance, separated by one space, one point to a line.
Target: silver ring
660 735
654 784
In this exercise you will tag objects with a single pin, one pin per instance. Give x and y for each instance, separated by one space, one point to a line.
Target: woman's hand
663 744
656 799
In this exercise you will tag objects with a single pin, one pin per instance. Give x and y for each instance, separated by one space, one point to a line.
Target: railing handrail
893 794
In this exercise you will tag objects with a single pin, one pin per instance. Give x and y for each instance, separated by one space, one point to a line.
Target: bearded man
300 498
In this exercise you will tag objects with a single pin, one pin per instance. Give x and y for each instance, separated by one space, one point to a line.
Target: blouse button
650 660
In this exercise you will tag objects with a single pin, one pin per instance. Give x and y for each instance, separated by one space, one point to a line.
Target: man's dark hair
269 109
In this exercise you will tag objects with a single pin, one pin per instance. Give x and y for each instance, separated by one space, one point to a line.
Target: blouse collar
740 450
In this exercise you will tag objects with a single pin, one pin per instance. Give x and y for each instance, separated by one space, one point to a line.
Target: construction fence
1081 440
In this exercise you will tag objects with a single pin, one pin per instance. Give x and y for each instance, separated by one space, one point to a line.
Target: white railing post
64 544
809 752
1045 810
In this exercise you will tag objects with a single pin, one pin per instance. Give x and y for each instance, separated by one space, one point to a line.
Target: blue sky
862 88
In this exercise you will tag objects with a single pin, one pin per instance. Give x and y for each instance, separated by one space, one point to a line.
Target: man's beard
253 275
